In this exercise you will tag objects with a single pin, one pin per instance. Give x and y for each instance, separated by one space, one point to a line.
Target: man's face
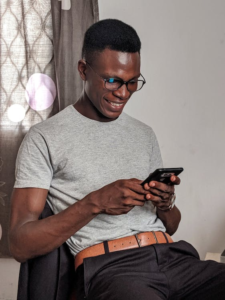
105 105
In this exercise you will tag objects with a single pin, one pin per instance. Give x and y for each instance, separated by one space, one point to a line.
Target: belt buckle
138 240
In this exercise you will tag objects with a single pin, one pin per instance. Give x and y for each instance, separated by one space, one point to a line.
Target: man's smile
115 104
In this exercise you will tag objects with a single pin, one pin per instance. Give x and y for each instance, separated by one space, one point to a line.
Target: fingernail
148 196
152 184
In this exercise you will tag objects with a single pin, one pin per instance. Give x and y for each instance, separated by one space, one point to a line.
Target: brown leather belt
129 242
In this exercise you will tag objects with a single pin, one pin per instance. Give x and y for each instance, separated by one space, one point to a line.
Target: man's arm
30 237
170 219
160 195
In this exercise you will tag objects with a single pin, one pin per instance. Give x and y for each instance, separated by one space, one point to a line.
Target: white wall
9 271
183 61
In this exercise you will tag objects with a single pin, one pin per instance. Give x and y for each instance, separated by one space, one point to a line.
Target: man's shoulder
55 123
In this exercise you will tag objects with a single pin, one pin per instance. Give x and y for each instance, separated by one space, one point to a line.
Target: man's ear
82 66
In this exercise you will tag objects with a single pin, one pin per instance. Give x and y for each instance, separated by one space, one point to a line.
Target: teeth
115 104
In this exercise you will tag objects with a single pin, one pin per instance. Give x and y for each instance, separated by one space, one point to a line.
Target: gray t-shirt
71 156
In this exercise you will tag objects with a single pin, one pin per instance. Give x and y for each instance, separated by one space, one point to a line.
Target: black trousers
161 271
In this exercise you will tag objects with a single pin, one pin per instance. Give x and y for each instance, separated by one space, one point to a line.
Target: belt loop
106 246
165 237
138 240
155 237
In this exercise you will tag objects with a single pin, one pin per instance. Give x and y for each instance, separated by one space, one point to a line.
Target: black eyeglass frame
122 82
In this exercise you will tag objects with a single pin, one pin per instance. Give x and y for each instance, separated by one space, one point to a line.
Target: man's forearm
170 219
40 237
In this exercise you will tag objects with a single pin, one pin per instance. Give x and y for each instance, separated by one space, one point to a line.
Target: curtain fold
69 27
40 44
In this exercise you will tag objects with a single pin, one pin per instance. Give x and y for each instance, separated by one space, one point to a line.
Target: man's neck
85 107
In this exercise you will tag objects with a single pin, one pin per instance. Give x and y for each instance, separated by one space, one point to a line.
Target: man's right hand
119 197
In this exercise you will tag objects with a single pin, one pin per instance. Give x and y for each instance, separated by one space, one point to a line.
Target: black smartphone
163 175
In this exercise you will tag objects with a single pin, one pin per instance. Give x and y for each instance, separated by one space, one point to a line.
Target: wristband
172 203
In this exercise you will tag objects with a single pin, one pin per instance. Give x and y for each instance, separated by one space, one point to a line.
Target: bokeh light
16 113
40 92
66 4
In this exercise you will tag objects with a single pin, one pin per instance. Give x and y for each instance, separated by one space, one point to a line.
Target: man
88 161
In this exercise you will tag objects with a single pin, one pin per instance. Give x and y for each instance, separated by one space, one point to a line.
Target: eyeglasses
113 84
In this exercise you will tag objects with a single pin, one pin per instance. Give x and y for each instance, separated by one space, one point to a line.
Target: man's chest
98 161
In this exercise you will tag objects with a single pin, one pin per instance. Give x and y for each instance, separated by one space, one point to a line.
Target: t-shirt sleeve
156 158
33 164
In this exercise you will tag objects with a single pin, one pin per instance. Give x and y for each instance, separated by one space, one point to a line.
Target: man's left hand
161 194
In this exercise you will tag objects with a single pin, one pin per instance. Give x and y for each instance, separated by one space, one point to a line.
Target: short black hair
110 34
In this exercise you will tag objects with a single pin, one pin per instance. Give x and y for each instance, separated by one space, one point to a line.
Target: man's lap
161 271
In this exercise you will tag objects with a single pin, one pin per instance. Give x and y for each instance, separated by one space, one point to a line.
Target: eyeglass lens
132 86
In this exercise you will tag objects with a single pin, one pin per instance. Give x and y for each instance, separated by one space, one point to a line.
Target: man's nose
122 92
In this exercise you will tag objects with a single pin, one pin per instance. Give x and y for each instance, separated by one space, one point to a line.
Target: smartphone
163 175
